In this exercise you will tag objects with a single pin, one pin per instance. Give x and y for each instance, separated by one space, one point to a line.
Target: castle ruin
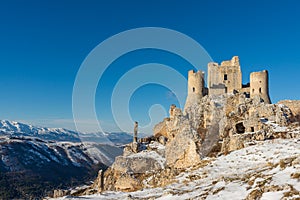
226 78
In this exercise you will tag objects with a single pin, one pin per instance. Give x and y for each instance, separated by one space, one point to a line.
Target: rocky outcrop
196 132
212 126
294 105
183 150
141 162
169 127
193 134
99 182
128 171
250 115
60 193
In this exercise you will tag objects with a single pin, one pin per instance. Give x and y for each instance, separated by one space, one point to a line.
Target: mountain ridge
19 129
36 160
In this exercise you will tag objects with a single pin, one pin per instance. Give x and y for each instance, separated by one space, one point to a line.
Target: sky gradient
43 44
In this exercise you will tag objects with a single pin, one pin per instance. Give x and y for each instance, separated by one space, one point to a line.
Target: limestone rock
294 105
141 162
182 151
160 129
98 183
194 134
60 193
162 140
127 183
169 127
235 143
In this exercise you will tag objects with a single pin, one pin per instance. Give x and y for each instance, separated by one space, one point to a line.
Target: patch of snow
272 195
156 145
232 191
276 127
284 177
220 185
39 155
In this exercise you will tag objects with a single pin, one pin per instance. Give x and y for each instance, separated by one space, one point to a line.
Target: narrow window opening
259 90
225 77
193 89
252 129
253 90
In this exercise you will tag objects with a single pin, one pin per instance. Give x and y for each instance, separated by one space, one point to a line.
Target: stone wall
217 90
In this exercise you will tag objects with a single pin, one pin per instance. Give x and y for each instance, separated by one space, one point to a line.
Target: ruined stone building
227 78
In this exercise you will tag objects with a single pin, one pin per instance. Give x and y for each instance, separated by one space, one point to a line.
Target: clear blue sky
43 44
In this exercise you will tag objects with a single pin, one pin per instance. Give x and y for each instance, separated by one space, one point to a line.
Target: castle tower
224 78
231 74
195 87
259 85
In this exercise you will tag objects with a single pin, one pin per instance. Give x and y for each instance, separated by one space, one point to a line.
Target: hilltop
228 138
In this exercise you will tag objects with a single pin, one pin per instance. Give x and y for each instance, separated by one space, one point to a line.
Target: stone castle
223 117
226 78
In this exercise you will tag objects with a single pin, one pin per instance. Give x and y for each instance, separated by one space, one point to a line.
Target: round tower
259 85
195 87
195 83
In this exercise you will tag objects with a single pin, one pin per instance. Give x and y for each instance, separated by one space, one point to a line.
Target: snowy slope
47 158
268 170
17 153
31 167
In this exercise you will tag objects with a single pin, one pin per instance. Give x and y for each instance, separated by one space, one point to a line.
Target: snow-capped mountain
16 129
34 160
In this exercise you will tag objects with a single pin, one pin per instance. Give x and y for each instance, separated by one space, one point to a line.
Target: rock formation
211 127
294 105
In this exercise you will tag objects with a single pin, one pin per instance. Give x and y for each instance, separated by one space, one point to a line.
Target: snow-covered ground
268 170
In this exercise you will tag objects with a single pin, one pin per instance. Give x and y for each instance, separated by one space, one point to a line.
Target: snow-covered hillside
49 158
267 170
18 153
